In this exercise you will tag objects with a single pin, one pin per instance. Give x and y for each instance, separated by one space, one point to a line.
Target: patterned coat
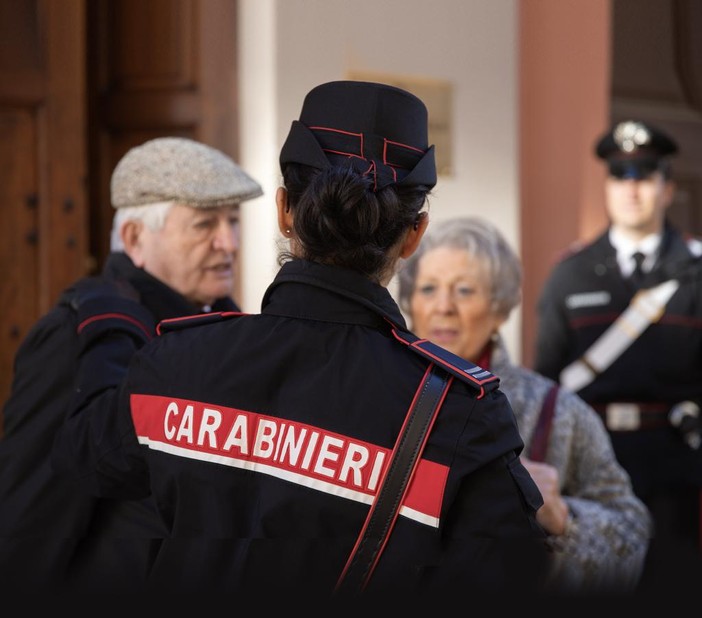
607 544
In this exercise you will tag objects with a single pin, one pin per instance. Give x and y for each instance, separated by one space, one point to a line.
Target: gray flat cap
179 169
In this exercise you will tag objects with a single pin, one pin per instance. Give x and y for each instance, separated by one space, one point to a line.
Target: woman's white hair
152 215
483 242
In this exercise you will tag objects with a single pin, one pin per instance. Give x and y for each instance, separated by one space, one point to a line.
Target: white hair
482 241
152 215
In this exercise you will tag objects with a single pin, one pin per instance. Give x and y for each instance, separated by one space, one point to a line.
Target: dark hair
341 221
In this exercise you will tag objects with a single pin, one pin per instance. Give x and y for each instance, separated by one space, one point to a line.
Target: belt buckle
623 416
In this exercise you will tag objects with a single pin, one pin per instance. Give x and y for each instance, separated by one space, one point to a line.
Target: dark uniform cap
634 149
181 170
376 128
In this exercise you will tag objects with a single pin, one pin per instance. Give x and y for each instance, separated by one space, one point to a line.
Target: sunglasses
635 170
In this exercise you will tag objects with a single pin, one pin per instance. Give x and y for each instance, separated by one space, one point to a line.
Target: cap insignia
631 135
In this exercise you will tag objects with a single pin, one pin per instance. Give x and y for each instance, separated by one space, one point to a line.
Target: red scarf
485 356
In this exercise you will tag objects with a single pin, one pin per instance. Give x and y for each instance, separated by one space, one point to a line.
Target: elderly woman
457 290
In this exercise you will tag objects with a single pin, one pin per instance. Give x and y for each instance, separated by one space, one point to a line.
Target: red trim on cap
362 154
389 141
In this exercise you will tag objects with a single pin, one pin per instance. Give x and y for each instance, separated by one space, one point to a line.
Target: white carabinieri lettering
292 451
249 440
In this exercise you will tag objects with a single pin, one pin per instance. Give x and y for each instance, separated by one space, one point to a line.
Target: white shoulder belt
646 307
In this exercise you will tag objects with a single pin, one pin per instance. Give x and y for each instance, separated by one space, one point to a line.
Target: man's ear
130 233
414 235
285 217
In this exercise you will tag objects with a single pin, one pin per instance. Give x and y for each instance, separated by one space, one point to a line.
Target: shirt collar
625 248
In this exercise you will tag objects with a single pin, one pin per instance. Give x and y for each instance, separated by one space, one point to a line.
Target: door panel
80 83
42 163
657 77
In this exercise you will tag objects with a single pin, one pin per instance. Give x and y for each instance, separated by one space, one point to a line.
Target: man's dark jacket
52 533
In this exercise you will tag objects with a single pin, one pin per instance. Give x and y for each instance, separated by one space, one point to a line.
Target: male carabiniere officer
620 322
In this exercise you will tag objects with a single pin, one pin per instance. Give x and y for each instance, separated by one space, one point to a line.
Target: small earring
288 231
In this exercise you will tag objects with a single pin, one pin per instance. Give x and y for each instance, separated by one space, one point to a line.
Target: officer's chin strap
393 489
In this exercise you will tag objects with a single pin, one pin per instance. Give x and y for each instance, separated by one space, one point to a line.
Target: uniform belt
623 416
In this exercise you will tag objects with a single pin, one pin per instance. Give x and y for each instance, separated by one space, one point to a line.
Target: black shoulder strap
403 462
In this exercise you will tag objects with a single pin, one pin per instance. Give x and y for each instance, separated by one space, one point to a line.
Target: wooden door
80 83
43 239
657 77
156 68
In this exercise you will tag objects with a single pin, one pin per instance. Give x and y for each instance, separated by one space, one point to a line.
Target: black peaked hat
633 149
378 129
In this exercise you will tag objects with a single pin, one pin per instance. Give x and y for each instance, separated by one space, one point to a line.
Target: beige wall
479 47
564 104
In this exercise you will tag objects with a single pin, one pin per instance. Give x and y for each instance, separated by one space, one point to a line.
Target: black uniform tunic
47 523
583 296
260 438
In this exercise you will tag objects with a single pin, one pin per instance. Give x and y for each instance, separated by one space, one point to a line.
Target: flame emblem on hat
631 135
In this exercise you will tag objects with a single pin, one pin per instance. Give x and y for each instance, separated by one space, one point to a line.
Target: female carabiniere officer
263 438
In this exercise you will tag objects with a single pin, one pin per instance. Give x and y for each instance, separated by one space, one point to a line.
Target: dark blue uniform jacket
262 438
585 294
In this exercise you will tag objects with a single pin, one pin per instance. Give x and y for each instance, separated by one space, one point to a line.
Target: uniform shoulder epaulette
171 324
466 371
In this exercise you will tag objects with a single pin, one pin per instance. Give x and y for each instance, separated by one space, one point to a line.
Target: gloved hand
686 418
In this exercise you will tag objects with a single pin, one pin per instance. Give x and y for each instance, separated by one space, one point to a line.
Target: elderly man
174 245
